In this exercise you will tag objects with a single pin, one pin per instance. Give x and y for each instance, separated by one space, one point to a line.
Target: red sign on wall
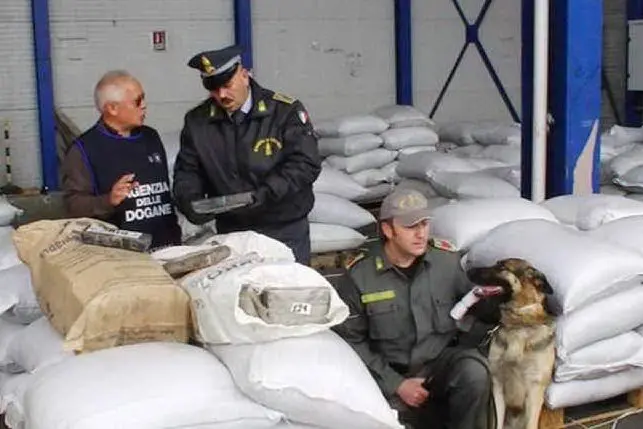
159 40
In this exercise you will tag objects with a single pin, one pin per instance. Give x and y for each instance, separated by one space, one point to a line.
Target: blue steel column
45 89
243 30
634 99
574 90
403 52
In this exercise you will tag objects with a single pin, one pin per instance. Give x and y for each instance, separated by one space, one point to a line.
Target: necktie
237 117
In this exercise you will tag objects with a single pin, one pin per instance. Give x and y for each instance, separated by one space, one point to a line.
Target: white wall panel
337 56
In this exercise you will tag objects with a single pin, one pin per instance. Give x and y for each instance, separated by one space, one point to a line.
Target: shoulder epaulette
442 244
354 260
283 98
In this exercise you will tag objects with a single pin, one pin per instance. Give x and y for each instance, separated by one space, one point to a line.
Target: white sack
464 222
619 353
317 380
12 398
332 209
143 386
611 190
376 193
626 134
357 124
612 147
332 238
375 176
511 175
626 232
37 346
457 132
399 138
422 165
632 180
588 212
415 149
579 268
399 116
509 155
497 134
8 253
334 182
349 145
621 164
613 315
246 242
471 185
421 186
470 151
18 302
8 333
372 159
486 163
579 392
216 297
8 212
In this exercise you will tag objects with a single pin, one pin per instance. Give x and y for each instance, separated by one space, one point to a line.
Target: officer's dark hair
380 230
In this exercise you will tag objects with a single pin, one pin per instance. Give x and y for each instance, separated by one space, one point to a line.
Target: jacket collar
382 263
262 104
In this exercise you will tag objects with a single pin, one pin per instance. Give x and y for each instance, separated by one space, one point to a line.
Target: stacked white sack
587 212
597 292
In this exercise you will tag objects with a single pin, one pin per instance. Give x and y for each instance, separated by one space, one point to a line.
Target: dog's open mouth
488 283
487 291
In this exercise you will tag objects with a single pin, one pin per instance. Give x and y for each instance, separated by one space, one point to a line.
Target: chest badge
268 146
154 158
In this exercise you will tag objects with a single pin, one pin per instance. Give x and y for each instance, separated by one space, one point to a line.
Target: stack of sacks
615 142
484 133
7 212
598 296
587 212
335 217
267 318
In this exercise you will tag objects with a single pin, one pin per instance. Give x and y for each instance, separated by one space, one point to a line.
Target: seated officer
117 170
400 297
246 138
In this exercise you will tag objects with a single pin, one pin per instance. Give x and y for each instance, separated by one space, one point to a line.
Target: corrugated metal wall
614 58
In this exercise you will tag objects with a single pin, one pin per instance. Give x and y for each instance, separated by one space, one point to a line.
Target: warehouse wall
18 102
438 36
614 58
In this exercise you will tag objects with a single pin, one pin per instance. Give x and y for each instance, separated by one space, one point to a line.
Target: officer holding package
247 141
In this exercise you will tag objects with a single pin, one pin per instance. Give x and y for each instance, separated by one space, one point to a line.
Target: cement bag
37 346
8 333
632 180
471 185
329 209
421 186
464 222
376 193
579 392
497 134
588 212
621 164
611 190
611 147
317 380
399 138
579 268
626 232
626 134
509 155
511 175
8 212
18 303
470 151
457 132
246 302
334 182
415 149
375 176
486 163
349 145
94 295
422 165
400 116
602 319
373 159
8 253
243 243
331 238
357 124
624 351
146 386
12 397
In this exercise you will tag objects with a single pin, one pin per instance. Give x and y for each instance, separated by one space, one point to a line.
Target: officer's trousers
459 392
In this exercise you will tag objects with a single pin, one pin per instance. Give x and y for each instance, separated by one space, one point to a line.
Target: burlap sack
100 297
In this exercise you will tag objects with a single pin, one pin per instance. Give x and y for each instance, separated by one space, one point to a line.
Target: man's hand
412 392
121 189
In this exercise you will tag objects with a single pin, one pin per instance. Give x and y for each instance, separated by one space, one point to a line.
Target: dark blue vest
148 208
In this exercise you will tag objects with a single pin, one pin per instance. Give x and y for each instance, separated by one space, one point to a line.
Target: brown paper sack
99 297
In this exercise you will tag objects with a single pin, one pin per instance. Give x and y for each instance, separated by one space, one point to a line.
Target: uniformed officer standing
400 297
246 138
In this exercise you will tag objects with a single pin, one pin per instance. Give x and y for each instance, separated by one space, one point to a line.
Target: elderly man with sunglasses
117 170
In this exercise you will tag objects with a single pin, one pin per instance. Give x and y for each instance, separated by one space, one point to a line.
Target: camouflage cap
408 206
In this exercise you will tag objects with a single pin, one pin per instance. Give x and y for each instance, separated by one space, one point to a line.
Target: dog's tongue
487 291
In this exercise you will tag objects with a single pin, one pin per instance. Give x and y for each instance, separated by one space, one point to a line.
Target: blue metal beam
403 52
243 30
45 89
634 99
527 66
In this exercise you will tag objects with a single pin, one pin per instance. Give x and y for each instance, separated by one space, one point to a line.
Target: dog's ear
542 282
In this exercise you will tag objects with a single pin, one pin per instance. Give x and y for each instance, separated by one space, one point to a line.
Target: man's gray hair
109 88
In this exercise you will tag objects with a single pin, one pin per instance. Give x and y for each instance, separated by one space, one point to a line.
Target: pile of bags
107 343
589 249
621 159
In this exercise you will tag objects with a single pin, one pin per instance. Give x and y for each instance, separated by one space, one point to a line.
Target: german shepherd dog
521 353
